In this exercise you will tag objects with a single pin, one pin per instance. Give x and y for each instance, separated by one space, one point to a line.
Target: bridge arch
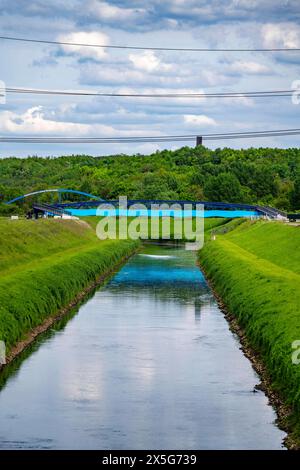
57 190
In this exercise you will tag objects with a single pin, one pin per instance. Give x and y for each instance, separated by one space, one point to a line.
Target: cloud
34 122
47 61
282 35
198 120
147 69
155 14
83 37
112 75
37 121
126 75
106 11
249 68
227 10
174 23
149 62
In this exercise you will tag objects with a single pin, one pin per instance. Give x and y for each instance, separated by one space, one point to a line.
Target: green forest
267 176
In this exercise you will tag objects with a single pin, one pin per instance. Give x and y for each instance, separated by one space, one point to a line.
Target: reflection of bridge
77 208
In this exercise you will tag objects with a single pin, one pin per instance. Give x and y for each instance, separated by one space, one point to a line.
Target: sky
168 23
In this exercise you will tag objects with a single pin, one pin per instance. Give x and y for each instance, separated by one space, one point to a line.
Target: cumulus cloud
218 11
111 75
174 23
34 122
249 68
84 37
126 75
106 11
37 121
149 62
282 35
198 120
147 69
141 15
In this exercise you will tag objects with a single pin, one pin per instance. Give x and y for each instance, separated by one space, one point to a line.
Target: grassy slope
278 243
256 270
44 265
24 241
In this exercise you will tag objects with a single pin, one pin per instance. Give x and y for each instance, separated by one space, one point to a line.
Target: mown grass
24 241
255 269
276 242
44 265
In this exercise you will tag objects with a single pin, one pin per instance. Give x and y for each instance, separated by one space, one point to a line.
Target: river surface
147 362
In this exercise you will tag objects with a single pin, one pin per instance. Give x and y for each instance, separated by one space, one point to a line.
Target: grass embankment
44 265
255 268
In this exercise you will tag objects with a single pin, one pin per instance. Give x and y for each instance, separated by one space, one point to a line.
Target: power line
151 48
248 94
144 139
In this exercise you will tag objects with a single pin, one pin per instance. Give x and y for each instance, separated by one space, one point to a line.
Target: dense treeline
265 175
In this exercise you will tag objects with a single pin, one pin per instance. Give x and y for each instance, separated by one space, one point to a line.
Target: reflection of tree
167 292
198 305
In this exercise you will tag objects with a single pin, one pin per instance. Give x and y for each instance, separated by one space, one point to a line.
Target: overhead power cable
151 48
144 139
247 94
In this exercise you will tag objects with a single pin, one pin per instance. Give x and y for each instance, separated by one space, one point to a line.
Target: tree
223 188
295 197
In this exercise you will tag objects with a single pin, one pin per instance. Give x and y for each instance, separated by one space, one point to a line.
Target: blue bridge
90 207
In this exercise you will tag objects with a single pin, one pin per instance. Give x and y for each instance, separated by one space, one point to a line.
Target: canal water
148 362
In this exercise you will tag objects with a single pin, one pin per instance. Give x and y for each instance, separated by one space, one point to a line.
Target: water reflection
165 277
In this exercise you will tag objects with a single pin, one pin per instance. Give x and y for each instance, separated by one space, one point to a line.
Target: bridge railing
263 210
272 212
148 202
51 209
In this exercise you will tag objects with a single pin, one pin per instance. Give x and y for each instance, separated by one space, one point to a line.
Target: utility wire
248 94
143 139
152 48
